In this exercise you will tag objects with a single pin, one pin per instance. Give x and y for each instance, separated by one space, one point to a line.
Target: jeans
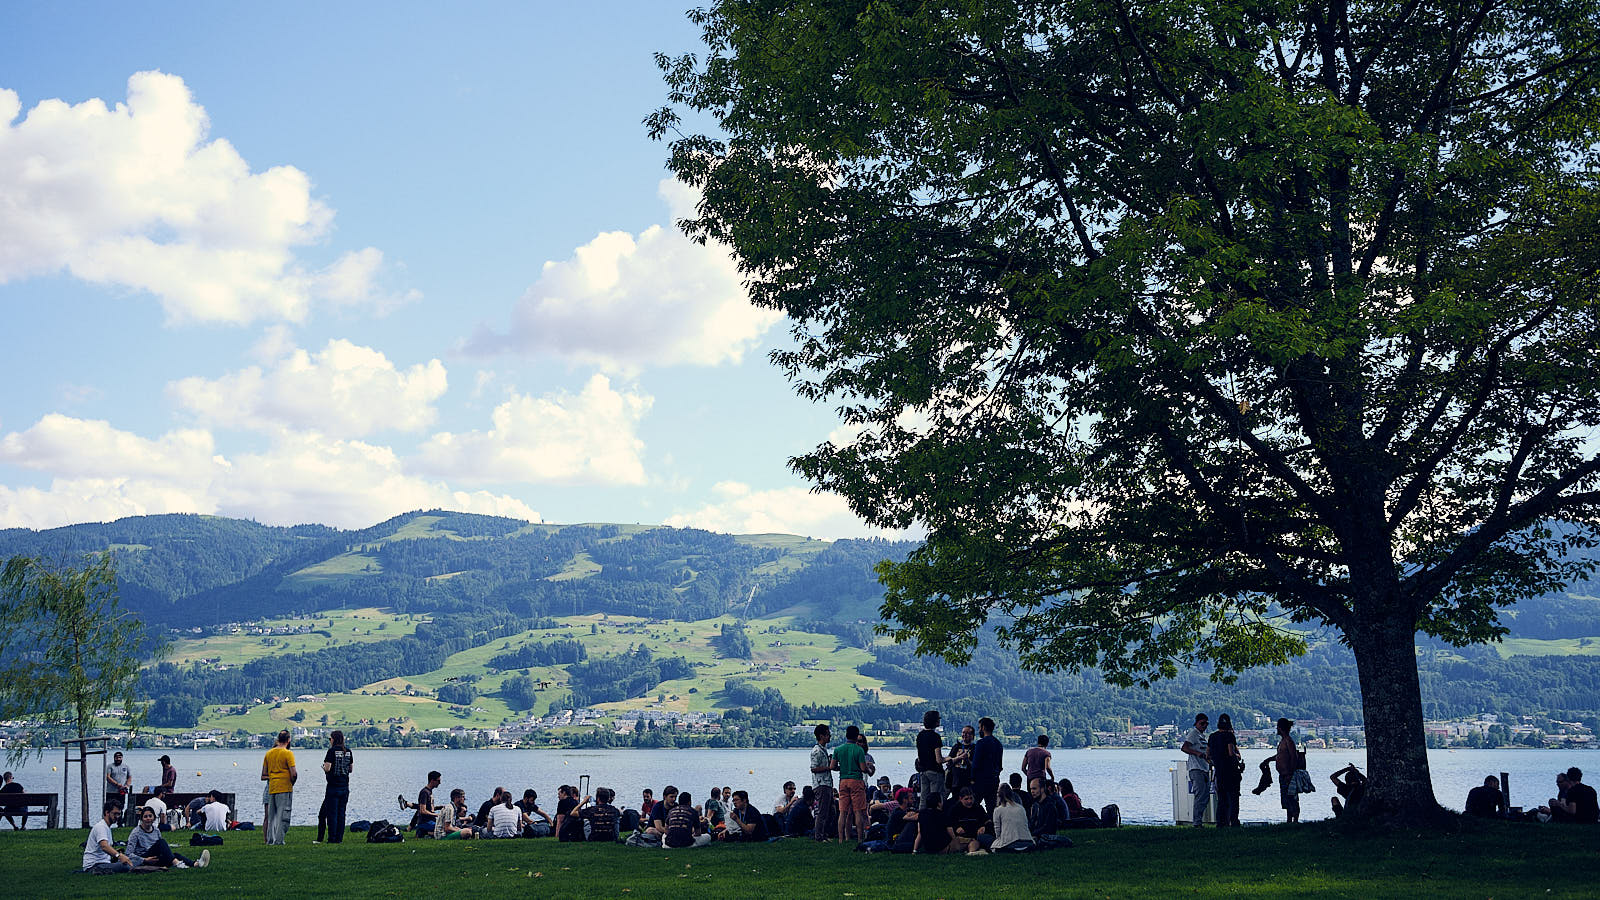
1200 789
1227 801
931 784
827 813
164 855
331 815
278 808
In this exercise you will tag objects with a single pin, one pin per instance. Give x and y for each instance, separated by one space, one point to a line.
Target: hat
164 758
883 779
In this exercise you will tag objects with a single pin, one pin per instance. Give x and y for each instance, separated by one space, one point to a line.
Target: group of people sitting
146 849
1574 803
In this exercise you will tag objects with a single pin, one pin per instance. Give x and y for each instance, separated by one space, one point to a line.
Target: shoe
979 852
179 864
402 800
204 860
316 842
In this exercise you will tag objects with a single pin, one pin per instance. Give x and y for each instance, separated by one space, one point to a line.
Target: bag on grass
1110 816
384 832
199 839
360 826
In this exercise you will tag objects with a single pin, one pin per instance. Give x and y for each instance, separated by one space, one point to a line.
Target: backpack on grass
199 839
384 832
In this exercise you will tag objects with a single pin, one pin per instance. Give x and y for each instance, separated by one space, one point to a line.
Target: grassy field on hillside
1487 860
342 626
1579 646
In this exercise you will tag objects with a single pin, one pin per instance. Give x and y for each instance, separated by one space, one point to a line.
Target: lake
1139 781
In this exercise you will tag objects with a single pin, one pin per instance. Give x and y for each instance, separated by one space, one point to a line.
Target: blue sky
332 262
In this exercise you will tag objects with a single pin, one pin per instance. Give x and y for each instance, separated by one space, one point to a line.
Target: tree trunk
1400 788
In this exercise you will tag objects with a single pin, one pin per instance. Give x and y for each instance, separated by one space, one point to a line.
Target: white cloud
344 390
587 438
102 473
624 301
791 510
136 196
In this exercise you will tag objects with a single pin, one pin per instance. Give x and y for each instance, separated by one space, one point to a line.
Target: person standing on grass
1222 750
1196 749
337 764
850 761
1036 762
119 781
279 772
930 759
1286 761
822 783
988 760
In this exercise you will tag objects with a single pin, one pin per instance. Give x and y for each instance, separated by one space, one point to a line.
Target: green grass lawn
1483 860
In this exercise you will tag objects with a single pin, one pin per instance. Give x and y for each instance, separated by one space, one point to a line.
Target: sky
310 262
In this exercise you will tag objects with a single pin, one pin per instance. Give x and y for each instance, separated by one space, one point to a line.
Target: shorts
852 795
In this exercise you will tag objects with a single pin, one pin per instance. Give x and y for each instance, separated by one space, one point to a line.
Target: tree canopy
66 648
1178 323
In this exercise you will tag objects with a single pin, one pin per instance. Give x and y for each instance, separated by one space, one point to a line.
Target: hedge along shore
1485 859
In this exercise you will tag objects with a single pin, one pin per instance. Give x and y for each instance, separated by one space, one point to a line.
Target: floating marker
197 774
236 765
752 771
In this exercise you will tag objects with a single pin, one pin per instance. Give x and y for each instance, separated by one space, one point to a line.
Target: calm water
1137 780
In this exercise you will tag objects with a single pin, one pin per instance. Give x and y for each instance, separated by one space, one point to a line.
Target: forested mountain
473 581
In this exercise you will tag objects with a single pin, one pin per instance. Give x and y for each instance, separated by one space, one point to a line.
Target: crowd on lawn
955 802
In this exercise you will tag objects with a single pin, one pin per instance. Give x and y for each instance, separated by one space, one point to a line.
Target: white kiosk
1183 801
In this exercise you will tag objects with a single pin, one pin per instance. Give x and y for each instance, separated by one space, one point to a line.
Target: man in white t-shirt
215 814
1199 765
99 857
158 803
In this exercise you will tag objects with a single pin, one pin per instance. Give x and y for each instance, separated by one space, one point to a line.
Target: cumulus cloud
587 438
102 473
624 301
344 390
791 510
136 196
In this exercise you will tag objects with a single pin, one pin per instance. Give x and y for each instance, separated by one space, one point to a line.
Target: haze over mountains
462 595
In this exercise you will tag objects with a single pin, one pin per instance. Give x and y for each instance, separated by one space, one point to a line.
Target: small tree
67 649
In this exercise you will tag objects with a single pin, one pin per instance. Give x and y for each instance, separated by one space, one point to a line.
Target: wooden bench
177 800
22 805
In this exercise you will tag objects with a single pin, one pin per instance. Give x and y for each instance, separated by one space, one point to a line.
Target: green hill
434 619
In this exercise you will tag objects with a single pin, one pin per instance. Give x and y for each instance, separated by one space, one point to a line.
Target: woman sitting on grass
1011 834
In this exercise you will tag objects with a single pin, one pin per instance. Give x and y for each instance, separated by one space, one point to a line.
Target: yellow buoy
197 774
752 771
52 768
236 765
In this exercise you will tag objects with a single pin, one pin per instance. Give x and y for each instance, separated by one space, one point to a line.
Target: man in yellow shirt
278 771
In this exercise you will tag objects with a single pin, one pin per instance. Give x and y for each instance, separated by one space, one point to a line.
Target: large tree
1180 324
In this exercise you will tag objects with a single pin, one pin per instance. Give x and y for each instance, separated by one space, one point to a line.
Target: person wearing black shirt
987 762
930 758
8 785
1486 801
337 764
901 832
1352 786
481 820
958 766
969 822
934 834
603 817
683 824
744 821
569 827
1579 804
539 822
1227 768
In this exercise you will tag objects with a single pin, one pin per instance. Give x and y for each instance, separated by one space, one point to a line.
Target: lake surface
1139 781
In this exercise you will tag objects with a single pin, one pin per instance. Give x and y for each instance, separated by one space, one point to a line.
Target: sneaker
179 864
204 860
316 842
978 852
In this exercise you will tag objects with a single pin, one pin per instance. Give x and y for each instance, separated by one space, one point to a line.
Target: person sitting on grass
657 824
1351 788
901 831
969 823
215 816
934 834
797 818
147 847
1011 834
1576 805
507 820
780 806
481 820
683 826
158 803
714 809
99 856
1486 801
1043 816
569 822
539 823
1024 795
744 821
602 819
455 820
426 818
